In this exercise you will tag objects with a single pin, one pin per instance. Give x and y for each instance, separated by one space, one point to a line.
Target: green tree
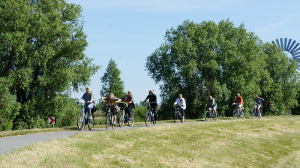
111 81
42 44
281 95
199 60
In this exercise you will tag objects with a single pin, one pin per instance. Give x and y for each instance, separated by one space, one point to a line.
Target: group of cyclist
88 97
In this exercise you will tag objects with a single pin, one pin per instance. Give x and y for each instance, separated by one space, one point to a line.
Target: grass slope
270 142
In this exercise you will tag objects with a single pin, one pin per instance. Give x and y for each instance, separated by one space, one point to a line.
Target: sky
128 31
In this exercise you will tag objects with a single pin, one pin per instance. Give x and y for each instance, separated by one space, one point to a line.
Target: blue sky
130 30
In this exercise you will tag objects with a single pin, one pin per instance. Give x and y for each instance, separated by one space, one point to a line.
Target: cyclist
112 100
212 103
181 102
153 103
258 103
88 97
129 100
239 102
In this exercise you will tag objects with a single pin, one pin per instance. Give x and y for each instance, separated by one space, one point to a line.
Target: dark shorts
113 111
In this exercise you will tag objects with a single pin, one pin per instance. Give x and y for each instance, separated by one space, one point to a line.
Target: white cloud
270 27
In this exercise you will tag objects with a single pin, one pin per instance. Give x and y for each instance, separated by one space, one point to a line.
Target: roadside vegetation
271 142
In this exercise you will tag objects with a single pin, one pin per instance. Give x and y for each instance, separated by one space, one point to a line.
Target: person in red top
239 102
129 100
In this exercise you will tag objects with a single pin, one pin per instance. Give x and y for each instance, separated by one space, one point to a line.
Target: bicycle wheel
80 121
147 119
253 114
216 117
235 114
207 116
112 121
91 121
121 118
176 117
107 123
131 122
182 118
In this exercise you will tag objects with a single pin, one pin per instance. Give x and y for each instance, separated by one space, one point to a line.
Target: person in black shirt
153 103
258 103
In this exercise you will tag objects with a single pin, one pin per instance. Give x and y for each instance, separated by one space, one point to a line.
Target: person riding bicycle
88 97
153 103
212 103
258 103
239 102
112 100
129 100
181 102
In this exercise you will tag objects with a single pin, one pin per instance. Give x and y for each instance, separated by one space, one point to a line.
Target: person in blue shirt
258 103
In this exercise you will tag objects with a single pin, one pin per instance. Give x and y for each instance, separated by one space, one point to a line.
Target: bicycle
149 116
211 114
82 119
238 114
109 117
254 113
125 118
179 112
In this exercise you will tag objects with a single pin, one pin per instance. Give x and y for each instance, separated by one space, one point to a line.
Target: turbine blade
285 43
288 46
281 43
292 45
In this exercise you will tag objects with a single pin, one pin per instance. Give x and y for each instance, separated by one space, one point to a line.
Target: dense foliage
199 60
41 48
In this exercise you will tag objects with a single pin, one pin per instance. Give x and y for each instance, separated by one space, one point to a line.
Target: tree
42 44
199 60
281 95
111 81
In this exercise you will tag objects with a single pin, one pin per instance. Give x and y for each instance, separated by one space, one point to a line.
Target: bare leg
115 119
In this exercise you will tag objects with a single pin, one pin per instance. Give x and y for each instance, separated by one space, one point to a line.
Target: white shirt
181 103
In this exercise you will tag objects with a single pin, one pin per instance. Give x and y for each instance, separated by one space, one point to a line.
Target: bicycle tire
107 122
121 118
80 121
235 113
253 114
131 122
216 118
112 122
207 116
92 123
243 114
147 119
182 118
176 117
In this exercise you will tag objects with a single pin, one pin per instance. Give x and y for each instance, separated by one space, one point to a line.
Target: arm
175 102
146 99
117 100
92 98
183 103
103 98
155 99
132 100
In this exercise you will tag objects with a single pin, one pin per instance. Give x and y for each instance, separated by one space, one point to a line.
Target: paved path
8 144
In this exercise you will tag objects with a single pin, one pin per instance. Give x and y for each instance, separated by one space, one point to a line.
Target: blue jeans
88 107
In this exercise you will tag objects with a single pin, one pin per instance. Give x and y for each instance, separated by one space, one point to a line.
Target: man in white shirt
181 102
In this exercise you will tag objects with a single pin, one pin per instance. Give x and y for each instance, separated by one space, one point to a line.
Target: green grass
270 142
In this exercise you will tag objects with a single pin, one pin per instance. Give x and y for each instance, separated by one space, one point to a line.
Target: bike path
8 144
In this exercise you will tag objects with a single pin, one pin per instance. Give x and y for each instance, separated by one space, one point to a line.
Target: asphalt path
8 144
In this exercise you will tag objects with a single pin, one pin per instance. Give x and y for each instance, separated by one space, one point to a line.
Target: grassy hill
270 142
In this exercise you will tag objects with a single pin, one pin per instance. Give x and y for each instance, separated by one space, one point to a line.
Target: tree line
221 60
